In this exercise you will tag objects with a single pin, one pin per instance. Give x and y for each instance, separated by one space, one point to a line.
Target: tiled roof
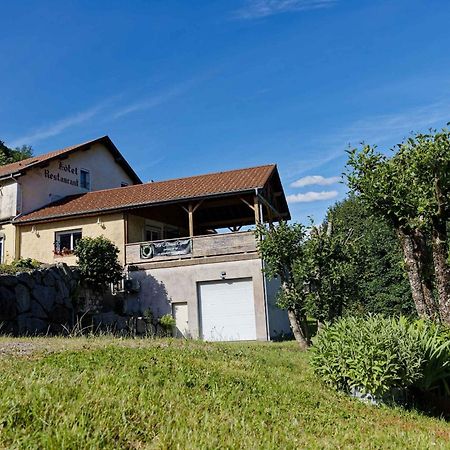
242 180
25 164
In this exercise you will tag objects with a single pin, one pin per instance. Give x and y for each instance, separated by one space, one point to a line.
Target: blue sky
187 87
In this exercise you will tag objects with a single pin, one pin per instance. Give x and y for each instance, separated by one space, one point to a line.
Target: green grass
106 393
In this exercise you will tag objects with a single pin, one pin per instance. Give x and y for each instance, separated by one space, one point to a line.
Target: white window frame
152 229
88 179
58 234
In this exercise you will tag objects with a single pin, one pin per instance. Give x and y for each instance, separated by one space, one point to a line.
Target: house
185 243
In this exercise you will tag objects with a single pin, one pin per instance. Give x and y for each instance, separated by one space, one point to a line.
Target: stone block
37 310
60 314
8 280
48 279
26 279
7 304
23 299
45 295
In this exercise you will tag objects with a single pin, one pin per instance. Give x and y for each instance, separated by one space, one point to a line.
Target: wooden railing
199 247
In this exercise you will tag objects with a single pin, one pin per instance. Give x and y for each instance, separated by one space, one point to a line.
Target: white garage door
227 310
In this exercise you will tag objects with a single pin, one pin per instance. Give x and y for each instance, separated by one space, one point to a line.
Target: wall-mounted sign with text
66 174
166 248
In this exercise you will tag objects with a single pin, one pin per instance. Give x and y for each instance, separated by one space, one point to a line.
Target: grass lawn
100 392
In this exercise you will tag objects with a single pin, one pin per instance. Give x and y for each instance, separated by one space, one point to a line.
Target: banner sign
166 248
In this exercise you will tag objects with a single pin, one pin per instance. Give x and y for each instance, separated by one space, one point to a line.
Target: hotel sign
66 174
176 247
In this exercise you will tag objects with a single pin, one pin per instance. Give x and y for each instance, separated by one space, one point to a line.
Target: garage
227 310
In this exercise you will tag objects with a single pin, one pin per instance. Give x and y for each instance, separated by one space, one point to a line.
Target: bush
377 355
167 321
98 262
19 265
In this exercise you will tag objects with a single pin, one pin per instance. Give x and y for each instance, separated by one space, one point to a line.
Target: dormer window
85 179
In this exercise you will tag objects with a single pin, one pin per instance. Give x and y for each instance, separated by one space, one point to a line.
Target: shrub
377 355
19 265
167 321
98 262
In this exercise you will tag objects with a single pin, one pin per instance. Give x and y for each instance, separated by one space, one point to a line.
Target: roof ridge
53 152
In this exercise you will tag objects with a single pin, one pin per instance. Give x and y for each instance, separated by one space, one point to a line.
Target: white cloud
109 113
257 9
153 101
383 130
57 127
311 196
318 180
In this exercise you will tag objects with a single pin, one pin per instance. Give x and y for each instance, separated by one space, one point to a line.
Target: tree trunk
415 256
299 331
441 272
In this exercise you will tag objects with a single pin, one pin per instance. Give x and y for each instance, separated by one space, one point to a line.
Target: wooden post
191 220
256 209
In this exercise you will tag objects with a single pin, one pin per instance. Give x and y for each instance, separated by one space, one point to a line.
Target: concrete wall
39 243
161 287
8 233
136 226
9 196
38 189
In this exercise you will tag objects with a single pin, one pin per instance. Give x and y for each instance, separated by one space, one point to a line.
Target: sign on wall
166 248
65 174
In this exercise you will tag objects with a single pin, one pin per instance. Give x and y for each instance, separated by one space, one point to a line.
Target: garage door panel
227 310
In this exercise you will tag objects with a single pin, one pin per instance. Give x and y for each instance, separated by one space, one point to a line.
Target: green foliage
281 247
8 155
20 265
98 262
325 273
378 355
166 394
376 281
167 321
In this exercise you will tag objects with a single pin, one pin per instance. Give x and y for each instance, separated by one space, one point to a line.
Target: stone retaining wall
38 302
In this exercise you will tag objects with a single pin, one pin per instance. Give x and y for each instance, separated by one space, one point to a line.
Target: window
152 233
66 241
85 179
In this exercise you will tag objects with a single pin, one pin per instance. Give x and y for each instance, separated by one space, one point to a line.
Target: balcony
237 243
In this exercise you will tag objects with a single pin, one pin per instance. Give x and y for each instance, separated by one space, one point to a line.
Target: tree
8 155
411 190
280 248
98 262
377 276
325 273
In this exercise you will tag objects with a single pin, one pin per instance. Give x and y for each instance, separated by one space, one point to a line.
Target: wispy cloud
57 127
154 100
257 9
311 196
318 180
109 112
384 130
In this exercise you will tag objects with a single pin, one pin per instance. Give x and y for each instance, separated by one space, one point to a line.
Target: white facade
9 199
62 177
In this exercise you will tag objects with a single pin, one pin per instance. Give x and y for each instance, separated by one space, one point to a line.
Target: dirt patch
16 348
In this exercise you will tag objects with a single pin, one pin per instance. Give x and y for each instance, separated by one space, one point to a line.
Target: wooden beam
225 223
256 209
268 205
191 220
247 203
